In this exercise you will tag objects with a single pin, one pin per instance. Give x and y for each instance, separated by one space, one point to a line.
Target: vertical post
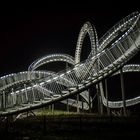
98 86
53 109
3 101
100 105
27 114
33 99
123 91
77 103
26 94
98 98
89 100
106 92
67 105
82 106
50 108
67 99
12 97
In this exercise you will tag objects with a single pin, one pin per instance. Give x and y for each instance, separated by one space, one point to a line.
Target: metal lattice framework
33 89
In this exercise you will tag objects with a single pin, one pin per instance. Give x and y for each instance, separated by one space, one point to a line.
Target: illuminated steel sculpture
32 89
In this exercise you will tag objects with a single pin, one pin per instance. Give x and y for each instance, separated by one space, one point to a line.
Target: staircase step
55 95
85 82
37 101
80 85
72 88
47 98
65 91
24 105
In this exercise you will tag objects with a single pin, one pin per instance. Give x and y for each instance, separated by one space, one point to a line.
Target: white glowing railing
109 59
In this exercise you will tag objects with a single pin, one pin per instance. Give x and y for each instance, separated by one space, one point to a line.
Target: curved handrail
110 59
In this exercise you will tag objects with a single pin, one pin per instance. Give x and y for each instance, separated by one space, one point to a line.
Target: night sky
27 33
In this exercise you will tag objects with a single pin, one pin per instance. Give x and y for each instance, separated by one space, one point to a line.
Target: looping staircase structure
32 89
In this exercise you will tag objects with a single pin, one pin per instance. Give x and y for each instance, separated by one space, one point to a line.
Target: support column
78 103
106 92
100 105
82 106
67 99
3 101
26 95
67 106
123 92
52 108
89 100
98 98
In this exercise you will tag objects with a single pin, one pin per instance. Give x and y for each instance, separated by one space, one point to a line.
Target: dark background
29 32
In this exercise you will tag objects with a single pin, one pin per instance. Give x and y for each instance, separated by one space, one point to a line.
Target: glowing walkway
25 91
